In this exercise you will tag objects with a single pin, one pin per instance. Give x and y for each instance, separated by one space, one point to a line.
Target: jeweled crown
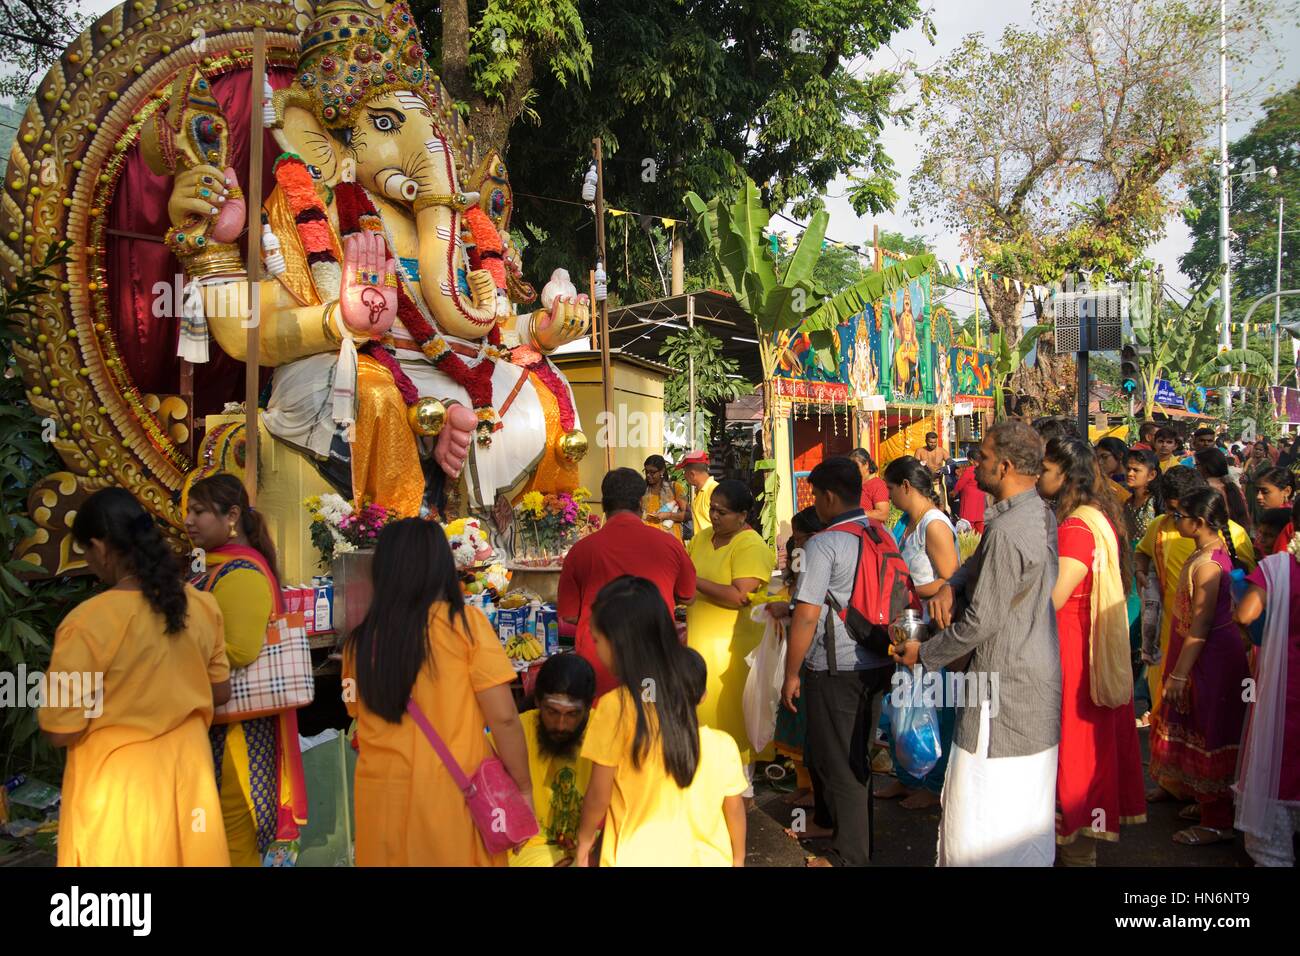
353 52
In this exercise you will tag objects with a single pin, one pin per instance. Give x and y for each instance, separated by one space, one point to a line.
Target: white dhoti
998 811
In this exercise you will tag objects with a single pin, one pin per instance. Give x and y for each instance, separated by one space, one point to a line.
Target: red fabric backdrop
147 342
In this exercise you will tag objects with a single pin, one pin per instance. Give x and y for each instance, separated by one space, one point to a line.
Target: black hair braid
156 569
114 517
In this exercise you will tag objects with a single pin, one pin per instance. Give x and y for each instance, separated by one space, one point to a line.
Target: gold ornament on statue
427 417
573 445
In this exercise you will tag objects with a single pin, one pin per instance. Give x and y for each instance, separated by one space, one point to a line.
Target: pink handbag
499 811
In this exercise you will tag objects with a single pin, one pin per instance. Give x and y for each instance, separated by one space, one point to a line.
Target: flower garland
488 247
312 222
549 377
357 211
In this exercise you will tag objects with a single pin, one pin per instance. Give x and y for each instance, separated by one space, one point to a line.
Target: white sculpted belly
515 449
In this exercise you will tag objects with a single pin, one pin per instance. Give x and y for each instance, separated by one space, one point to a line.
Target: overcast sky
954 19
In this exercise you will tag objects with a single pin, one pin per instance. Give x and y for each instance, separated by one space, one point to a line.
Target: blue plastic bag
913 722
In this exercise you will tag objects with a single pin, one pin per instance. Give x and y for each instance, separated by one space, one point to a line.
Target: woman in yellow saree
258 762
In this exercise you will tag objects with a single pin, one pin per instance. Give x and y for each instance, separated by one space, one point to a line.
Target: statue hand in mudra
204 196
368 290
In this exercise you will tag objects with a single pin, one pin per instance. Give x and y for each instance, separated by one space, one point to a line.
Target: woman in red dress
1099 767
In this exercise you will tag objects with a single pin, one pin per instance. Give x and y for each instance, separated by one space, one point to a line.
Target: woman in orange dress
150 665
420 642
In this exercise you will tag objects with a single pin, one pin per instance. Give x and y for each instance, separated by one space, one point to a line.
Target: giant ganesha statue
386 301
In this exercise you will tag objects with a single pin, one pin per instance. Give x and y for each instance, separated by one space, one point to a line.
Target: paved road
909 837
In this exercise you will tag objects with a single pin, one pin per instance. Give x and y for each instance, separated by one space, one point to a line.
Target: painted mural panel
906 329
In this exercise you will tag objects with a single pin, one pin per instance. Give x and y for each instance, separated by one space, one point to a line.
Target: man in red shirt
973 501
1147 436
875 493
625 545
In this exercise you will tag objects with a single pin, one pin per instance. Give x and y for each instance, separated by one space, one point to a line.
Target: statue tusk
397 185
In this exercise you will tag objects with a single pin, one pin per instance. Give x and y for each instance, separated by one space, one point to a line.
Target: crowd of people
1113 587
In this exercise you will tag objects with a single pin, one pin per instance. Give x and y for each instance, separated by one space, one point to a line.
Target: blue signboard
1166 395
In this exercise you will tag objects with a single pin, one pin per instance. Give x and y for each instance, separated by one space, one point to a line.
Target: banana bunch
524 647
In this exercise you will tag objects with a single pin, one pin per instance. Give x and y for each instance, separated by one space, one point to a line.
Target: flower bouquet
547 526
338 528
474 555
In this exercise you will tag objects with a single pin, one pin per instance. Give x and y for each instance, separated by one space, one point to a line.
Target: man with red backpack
852 584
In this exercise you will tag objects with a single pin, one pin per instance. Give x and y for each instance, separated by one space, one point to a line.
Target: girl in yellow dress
664 504
666 790
731 562
258 761
149 655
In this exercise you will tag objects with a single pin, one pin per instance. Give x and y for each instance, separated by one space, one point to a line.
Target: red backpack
882 589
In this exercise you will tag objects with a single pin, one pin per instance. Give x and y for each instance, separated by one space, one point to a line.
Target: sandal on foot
1195 836
1158 795
891 790
1190 812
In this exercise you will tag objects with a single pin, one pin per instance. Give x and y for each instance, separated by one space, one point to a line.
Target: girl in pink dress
1196 729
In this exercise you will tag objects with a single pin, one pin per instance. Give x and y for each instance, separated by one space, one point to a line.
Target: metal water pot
908 626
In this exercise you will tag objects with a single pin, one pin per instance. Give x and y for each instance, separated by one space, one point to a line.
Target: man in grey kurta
998 629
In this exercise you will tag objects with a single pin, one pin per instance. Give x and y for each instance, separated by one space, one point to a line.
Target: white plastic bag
1151 608
763 685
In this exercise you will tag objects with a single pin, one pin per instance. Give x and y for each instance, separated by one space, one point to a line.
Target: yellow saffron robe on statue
139 789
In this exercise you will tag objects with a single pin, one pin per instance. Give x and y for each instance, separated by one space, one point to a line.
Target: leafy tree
30 609
897 242
1271 142
34 34
717 380
1060 149
685 96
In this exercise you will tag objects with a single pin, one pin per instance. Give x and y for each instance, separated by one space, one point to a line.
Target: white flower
343 547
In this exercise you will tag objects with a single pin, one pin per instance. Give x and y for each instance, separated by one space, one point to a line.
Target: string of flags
665 220
964 272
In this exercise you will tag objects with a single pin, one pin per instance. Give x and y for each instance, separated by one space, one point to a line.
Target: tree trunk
455 49
489 123
1044 387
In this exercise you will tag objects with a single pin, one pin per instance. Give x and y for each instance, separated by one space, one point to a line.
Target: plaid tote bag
279 680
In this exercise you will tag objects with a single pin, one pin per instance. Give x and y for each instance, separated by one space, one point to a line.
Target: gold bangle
328 326
214 258
454 201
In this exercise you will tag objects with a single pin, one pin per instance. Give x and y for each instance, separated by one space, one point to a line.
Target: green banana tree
785 299
1180 342
1008 358
734 234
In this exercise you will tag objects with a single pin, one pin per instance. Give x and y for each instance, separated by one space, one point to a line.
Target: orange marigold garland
356 211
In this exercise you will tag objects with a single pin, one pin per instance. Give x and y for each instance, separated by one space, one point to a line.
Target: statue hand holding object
568 319
454 439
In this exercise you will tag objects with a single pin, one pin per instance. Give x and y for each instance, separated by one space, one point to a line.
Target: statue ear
492 182
312 142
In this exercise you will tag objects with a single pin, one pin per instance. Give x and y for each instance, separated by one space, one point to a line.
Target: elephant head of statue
366 105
